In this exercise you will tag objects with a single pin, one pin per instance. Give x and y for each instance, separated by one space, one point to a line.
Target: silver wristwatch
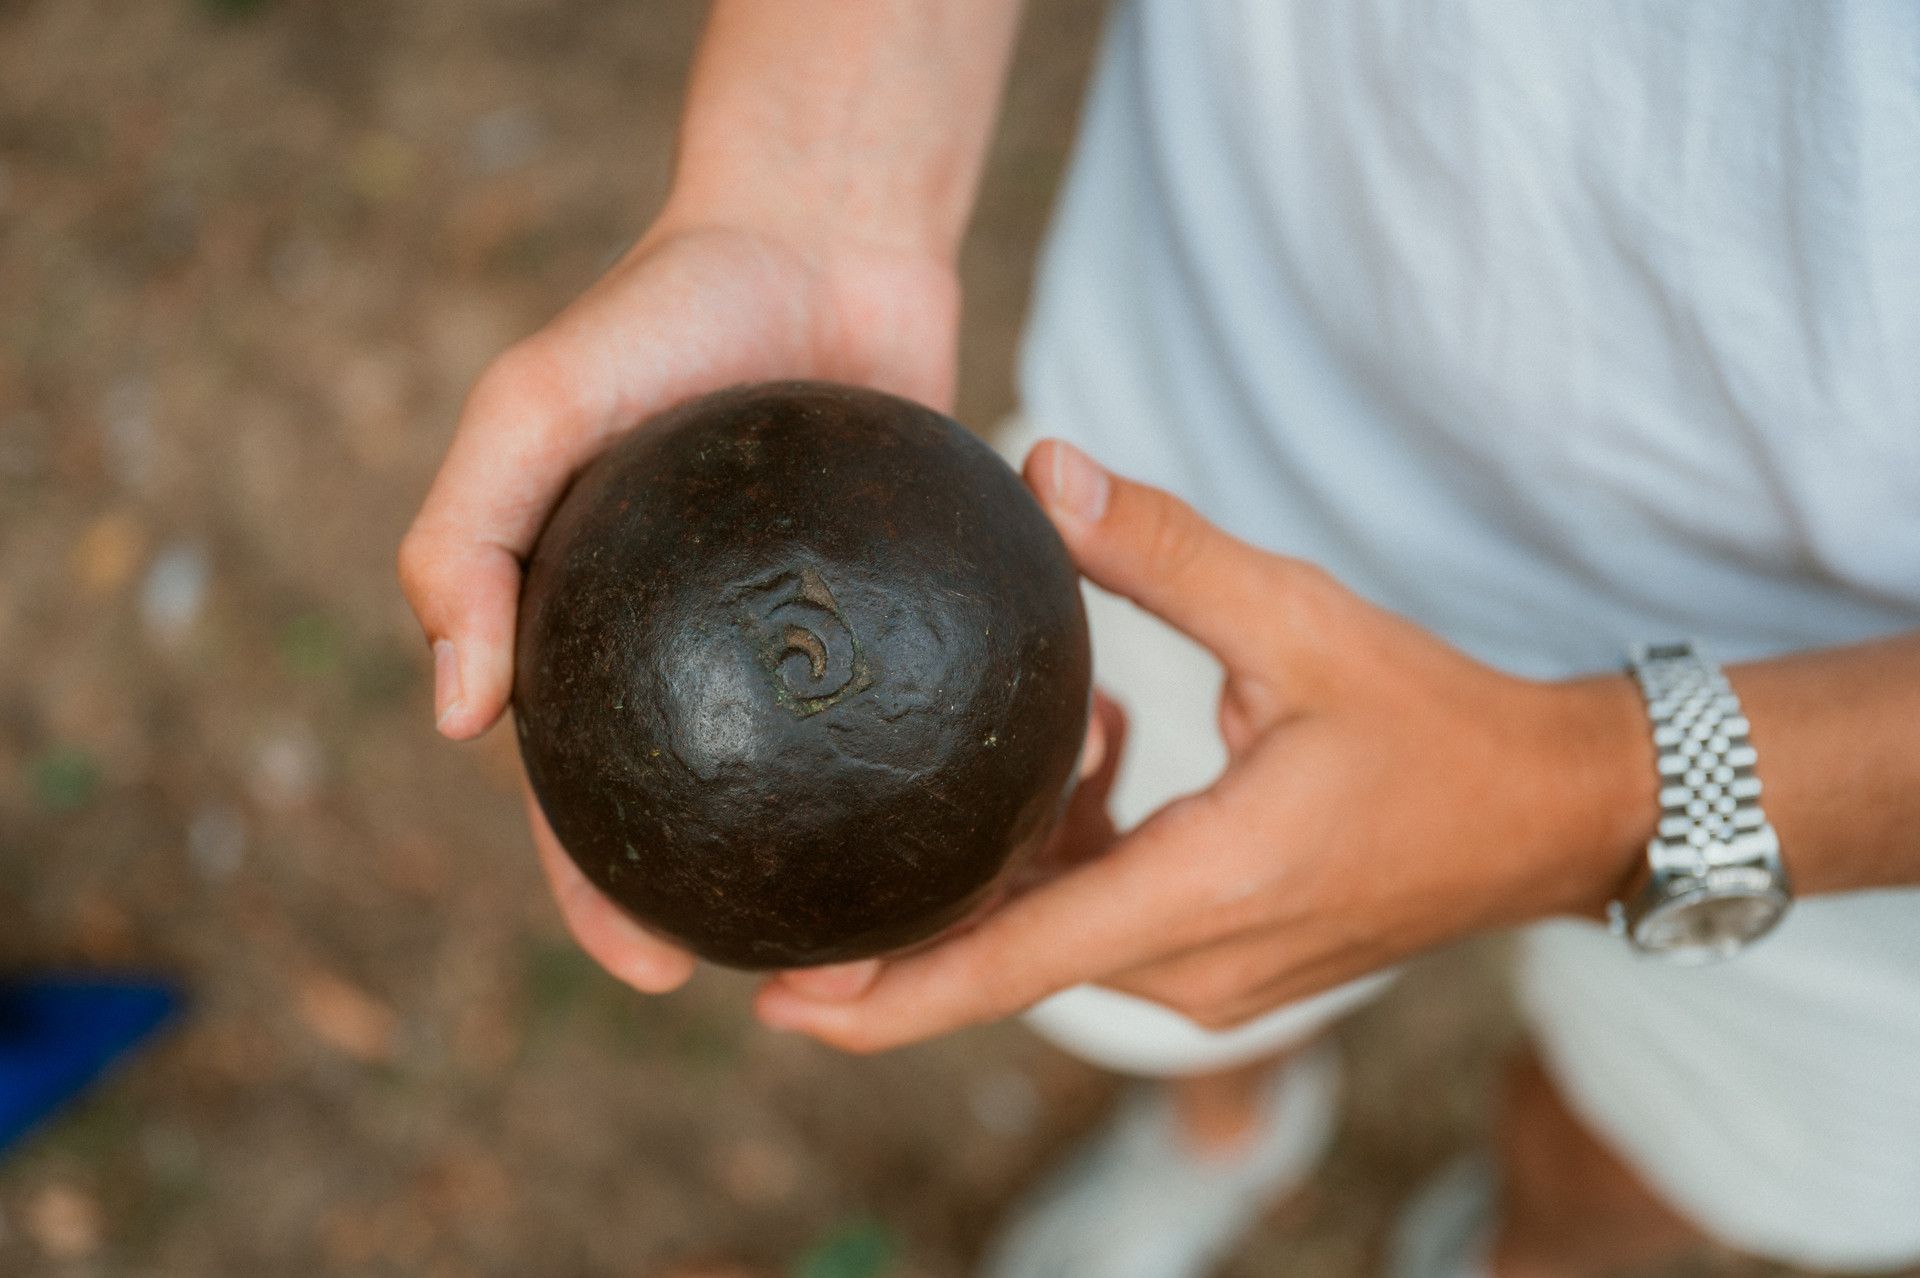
1714 882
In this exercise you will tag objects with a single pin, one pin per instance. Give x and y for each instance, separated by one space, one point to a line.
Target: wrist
1599 776
808 200
861 275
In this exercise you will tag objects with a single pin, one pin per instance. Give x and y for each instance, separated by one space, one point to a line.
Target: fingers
600 927
1084 832
834 983
1093 746
668 323
1078 928
1106 742
465 594
524 430
1156 550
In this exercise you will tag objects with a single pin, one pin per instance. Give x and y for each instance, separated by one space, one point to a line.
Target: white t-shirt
1556 328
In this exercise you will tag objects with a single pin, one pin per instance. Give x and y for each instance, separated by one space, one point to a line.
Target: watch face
1707 923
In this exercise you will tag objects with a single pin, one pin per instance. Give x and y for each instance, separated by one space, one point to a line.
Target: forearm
1838 735
1838 732
871 116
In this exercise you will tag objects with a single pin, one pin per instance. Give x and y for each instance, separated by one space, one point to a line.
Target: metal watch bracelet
1715 881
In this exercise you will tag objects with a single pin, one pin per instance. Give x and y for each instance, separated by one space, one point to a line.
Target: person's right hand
693 307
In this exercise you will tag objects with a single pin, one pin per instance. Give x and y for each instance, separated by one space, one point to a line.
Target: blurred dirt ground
251 254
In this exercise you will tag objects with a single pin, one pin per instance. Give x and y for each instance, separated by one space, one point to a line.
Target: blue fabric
59 1033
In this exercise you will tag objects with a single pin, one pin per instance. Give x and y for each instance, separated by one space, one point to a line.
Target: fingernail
1080 487
835 984
446 683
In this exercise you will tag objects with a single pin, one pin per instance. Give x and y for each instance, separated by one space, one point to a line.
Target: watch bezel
1715 885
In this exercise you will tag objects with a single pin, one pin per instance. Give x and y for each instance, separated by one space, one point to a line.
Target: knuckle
1192 820
1300 576
517 369
523 378
1308 595
1174 536
415 566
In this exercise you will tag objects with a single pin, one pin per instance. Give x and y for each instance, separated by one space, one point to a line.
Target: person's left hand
1384 794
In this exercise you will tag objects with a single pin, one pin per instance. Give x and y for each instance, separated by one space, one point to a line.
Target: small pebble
217 841
347 1018
132 450
503 140
64 1222
286 767
174 592
108 552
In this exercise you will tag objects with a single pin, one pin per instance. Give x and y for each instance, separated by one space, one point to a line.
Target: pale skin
828 160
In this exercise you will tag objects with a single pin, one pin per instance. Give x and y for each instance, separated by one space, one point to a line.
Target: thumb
1142 902
464 592
524 430
1149 546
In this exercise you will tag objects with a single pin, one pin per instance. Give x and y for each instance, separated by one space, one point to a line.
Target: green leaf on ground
311 645
859 1248
65 779
233 8
558 976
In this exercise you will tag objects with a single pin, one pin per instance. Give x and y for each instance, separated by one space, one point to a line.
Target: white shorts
1774 1100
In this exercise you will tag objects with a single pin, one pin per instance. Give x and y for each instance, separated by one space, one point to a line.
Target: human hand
1384 794
695 306
1086 831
